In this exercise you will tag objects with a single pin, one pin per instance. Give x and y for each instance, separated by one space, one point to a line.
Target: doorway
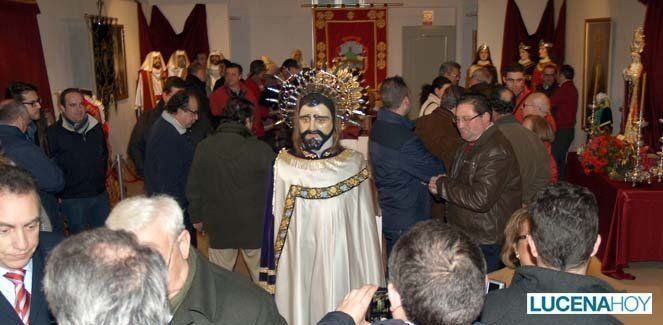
424 49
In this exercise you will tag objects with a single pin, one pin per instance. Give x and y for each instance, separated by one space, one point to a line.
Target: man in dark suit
199 292
23 250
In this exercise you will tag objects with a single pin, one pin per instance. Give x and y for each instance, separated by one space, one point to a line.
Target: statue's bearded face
181 61
215 59
316 125
156 62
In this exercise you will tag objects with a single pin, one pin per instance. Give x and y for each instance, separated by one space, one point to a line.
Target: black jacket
39 312
138 139
509 306
219 296
26 154
168 158
402 168
227 186
82 157
202 128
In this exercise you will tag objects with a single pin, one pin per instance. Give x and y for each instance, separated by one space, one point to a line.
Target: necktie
22 302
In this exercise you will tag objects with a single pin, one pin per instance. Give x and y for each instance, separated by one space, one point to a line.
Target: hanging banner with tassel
357 37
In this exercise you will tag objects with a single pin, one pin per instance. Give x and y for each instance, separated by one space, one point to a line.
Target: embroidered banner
356 36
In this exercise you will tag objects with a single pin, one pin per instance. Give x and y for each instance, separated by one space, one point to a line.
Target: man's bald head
537 104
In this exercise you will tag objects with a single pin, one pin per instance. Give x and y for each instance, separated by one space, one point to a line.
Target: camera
379 309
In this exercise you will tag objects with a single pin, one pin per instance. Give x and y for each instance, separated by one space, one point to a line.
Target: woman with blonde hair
541 128
515 251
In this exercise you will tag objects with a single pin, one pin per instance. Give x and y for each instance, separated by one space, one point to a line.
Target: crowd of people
472 186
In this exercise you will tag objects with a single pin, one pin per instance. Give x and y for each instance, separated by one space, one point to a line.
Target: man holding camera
437 276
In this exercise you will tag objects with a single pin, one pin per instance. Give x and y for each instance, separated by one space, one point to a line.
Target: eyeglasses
32 103
457 119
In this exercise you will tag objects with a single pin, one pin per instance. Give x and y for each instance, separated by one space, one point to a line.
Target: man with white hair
198 291
150 81
104 277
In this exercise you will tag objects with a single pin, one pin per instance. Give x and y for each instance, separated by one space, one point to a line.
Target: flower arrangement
605 154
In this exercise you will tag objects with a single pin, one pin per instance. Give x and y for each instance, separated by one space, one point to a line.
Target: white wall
625 15
66 42
275 28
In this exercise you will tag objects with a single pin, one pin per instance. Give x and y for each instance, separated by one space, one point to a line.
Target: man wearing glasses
169 150
27 95
483 188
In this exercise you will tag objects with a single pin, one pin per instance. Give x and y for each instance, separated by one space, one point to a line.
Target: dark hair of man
173 82
233 65
180 101
498 105
428 89
451 97
64 93
567 71
16 180
481 88
290 63
195 67
256 67
11 110
514 67
237 111
393 91
439 274
16 89
225 62
448 67
478 101
564 225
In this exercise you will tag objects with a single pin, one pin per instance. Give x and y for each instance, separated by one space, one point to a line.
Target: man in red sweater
564 102
234 87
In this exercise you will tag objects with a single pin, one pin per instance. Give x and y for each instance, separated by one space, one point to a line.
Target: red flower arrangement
604 154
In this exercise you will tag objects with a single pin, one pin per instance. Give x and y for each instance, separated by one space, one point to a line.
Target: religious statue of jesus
321 237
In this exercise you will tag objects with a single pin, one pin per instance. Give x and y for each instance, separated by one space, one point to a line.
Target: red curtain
22 57
651 60
160 36
516 32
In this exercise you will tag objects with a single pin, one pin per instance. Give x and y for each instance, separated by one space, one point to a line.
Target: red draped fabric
160 36
651 60
22 57
630 222
516 32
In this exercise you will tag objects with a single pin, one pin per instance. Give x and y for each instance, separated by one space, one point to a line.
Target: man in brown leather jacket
483 188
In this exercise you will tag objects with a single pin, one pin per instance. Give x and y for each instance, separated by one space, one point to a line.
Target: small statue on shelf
526 62
482 59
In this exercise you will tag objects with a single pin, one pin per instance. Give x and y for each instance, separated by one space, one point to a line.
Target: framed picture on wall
596 63
120 63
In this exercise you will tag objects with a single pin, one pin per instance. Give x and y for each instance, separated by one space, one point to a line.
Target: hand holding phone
380 306
357 302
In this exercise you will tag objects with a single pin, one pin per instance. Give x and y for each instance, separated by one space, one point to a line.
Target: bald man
536 104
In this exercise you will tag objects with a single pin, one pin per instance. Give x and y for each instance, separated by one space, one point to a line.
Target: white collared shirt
7 287
174 122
